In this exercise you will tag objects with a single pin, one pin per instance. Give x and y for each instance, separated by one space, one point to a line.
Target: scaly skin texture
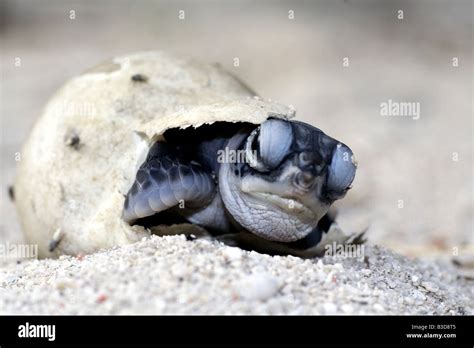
164 183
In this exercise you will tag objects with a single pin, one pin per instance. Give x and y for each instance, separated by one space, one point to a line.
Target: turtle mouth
287 205
290 215
282 196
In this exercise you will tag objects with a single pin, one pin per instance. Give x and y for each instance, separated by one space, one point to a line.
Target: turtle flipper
165 181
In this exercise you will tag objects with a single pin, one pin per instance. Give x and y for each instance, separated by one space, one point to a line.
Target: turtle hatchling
184 148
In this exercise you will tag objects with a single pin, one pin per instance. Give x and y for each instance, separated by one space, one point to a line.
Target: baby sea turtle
143 144
276 180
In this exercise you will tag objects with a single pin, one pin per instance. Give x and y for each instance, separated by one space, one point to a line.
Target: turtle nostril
307 159
304 179
304 159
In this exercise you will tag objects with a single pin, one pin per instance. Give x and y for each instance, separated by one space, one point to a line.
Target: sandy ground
414 184
174 276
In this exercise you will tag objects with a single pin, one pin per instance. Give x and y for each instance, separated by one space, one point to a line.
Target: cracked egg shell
84 150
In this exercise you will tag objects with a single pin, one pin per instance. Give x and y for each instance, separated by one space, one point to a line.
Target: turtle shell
83 152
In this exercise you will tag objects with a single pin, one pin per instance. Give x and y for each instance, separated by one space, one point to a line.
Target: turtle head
292 174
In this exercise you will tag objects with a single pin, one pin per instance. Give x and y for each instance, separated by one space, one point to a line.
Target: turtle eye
254 142
275 140
252 151
341 172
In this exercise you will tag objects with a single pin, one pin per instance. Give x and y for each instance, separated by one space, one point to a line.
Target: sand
172 275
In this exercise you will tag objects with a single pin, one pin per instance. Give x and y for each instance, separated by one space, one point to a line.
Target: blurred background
335 61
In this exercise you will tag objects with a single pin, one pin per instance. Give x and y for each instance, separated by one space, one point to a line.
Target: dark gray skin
280 193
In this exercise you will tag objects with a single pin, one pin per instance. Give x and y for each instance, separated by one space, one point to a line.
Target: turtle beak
341 172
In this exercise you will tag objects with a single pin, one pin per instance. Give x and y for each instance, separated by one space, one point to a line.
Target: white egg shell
83 152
